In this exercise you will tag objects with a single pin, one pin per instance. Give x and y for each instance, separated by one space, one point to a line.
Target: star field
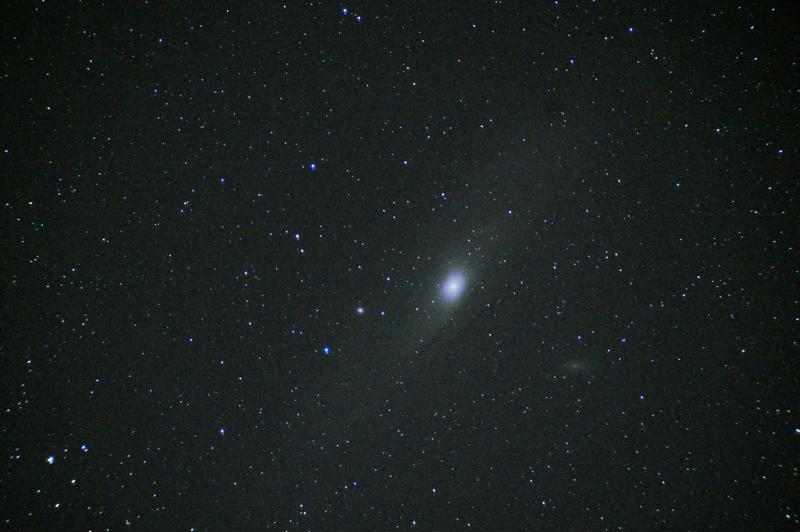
414 266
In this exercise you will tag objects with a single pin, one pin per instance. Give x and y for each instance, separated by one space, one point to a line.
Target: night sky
467 266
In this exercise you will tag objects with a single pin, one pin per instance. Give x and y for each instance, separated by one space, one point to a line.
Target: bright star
360 310
326 350
51 459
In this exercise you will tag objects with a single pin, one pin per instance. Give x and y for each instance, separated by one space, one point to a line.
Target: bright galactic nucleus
453 286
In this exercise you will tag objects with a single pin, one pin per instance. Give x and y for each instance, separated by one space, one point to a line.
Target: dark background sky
197 198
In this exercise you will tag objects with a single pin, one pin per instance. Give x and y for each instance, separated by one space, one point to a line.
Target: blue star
345 11
326 350
313 167
51 459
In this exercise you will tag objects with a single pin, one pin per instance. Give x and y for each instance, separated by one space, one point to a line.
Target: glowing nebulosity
453 286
